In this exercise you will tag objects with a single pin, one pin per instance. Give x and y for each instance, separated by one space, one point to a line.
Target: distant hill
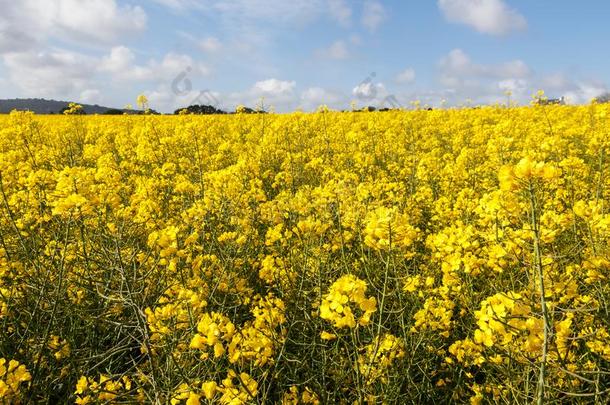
42 106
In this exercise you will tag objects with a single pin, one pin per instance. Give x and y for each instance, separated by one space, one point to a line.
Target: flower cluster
235 389
295 397
12 377
379 357
213 329
387 229
336 305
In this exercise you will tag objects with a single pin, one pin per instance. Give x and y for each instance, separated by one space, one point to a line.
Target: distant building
551 101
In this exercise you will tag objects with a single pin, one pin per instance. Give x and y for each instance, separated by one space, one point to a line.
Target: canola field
447 256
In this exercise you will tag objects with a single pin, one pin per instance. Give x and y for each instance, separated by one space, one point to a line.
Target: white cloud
314 97
49 73
406 76
90 96
486 16
121 64
574 91
102 20
457 66
519 89
273 92
28 23
555 81
373 15
463 79
59 73
337 51
37 69
274 87
164 99
369 91
556 85
120 59
515 86
175 63
585 92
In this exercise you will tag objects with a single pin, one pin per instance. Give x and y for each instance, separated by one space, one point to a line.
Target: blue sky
302 53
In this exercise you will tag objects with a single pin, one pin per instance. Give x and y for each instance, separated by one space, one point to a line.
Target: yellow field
385 257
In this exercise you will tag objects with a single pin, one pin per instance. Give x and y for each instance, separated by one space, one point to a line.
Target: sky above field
302 53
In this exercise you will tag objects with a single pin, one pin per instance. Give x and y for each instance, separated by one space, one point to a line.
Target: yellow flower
209 389
213 329
81 385
142 101
12 376
193 399
328 336
388 229
335 306
380 356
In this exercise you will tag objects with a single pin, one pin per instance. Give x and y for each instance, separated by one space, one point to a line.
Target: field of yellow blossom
446 256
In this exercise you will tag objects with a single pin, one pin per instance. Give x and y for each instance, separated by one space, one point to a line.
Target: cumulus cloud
369 91
486 16
90 96
280 94
374 94
314 97
165 99
273 87
373 14
120 59
37 69
121 63
584 92
555 81
574 90
59 73
462 79
49 73
27 23
457 66
515 86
